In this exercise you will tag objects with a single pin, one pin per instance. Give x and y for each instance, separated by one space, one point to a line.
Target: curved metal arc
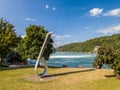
45 68
41 54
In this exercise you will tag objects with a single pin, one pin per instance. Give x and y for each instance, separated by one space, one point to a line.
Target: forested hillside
89 45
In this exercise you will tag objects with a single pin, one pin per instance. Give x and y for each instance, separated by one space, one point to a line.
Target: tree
105 55
31 44
8 38
109 56
115 62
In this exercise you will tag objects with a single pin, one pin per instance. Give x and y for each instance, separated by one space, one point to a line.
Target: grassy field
58 79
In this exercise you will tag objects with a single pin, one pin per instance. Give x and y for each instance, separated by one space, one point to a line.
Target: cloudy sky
69 20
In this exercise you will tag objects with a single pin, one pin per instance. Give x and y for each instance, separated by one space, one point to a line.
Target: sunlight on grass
64 79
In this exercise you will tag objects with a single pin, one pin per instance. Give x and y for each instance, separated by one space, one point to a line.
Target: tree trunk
118 76
99 67
0 61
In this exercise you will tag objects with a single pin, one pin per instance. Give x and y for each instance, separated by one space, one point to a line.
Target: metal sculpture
41 54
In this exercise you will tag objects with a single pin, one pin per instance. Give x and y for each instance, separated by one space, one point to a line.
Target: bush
110 57
12 57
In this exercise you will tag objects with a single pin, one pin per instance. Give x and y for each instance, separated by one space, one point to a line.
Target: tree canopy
31 44
8 38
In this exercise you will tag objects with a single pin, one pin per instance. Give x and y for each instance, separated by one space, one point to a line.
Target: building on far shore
96 49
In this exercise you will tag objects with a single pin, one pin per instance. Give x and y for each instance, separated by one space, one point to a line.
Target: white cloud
59 39
46 6
30 19
54 8
87 27
110 30
114 12
57 44
95 12
23 36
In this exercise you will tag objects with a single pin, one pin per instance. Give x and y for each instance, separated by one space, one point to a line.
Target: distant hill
89 45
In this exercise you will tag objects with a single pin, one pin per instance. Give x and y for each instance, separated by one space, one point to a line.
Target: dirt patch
35 78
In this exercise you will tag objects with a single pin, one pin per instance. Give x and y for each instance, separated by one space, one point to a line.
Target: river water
69 59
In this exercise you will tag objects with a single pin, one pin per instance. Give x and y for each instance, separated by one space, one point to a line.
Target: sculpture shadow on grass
66 73
110 76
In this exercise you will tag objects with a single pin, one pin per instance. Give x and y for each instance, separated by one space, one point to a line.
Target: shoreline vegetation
89 45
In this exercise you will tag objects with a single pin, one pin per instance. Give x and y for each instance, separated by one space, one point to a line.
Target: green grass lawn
62 79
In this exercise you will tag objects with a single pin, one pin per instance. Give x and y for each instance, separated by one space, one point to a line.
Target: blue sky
69 20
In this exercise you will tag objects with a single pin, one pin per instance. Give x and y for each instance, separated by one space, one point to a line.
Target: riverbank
59 79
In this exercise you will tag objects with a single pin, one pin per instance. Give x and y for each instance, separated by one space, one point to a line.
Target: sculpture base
35 78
